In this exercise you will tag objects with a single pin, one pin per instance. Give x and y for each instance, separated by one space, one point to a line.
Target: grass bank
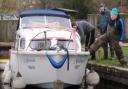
111 62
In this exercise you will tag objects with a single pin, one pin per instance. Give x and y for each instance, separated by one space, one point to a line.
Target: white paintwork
36 68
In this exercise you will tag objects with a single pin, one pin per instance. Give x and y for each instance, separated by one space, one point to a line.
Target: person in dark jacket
102 24
87 33
115 35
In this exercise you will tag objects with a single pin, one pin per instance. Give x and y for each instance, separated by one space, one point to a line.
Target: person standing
87 33
115 35
102 24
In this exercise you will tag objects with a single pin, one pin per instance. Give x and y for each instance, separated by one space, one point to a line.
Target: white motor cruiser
47 49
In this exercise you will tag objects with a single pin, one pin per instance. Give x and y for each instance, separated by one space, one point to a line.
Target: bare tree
51 3
7 6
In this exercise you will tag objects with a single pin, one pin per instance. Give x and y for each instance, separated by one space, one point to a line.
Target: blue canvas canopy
31 12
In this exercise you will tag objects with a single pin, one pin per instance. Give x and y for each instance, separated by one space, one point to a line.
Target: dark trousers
105 49
113 39
90 38
111 50
105 46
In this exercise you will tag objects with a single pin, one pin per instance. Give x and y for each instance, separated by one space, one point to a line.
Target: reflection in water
108 84
33 87
6 87
104 84
28 87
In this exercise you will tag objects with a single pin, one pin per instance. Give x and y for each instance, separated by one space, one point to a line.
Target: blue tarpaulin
43 12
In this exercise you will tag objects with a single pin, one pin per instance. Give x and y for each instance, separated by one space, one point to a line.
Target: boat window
17 42
63 22
32 21
22 43
67 44
54 22
40 44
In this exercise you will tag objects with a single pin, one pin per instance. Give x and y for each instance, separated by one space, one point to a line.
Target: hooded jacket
103 21
118 28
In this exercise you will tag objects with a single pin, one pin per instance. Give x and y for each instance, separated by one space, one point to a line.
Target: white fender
18 83
7 78
3 75
92 78
6 69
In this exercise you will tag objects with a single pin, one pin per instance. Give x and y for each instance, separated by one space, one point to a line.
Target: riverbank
111 70
111 62
115 74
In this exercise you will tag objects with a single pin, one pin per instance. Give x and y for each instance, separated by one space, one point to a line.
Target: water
107 84
8 87
104 84
28 87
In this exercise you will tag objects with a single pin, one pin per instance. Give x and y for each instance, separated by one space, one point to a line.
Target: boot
112 57
123 61
92 54
86 48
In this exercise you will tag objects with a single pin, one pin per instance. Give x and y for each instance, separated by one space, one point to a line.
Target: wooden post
58 85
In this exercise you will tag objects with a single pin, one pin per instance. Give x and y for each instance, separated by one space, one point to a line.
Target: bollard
7 77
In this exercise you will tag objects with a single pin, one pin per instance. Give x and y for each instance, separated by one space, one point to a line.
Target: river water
104 84
28 87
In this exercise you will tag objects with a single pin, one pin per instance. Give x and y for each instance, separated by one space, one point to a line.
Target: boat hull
36 68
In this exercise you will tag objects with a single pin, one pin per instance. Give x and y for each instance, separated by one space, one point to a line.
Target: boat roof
31 12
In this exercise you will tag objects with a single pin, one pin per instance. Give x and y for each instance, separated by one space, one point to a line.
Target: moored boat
47 49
